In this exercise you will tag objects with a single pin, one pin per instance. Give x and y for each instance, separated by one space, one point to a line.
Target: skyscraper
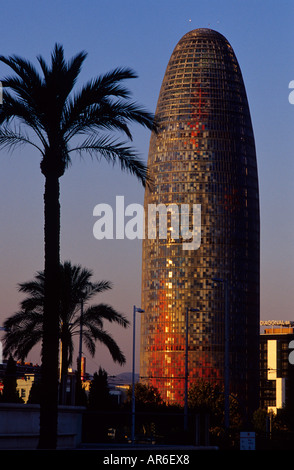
203 156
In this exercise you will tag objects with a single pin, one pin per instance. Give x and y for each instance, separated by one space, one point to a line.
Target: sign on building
247 440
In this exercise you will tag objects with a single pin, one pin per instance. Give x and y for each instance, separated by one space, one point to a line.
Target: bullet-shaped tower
203 157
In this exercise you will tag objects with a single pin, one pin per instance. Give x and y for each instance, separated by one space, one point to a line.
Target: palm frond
131 112
94 106
111 78
103 87
97 117
22 320
24 69
10 139
89 342
95 314
98 287
62 75
115 152
23 331
36 291
106 339
26 112
34 287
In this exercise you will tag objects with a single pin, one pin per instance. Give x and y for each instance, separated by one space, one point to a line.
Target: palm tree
24 329
50 117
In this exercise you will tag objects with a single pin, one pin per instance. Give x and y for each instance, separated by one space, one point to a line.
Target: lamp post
227 379
81 339
83 297
186 365
2 328
135 310
78 384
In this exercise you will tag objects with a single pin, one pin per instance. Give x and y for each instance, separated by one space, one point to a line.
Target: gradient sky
142 35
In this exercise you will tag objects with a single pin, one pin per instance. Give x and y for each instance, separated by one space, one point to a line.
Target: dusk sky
142 35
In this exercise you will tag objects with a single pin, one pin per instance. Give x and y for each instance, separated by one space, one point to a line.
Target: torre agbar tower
203 156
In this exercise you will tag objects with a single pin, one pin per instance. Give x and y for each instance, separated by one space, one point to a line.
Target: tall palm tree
24 329
46 105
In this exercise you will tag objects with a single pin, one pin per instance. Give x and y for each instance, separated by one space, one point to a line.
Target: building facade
26 374
203 165
276 366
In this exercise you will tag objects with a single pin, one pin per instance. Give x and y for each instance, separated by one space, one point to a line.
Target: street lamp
186 366
135 310
227 380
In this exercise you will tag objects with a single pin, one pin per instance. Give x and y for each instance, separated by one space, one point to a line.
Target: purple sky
142 35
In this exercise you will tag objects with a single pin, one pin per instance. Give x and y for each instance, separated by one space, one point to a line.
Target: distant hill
125 378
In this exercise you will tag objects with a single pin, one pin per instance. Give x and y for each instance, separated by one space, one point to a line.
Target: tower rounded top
204 33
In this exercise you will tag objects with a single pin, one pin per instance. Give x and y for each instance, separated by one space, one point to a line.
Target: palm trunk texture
50 346
64 368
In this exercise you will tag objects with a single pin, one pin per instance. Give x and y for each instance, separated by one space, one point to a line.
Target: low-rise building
276 370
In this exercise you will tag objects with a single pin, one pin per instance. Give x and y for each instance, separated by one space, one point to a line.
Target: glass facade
204 154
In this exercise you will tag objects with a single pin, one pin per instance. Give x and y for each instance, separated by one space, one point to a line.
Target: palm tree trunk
50 346
64 369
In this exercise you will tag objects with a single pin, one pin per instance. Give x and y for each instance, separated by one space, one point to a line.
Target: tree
145 396
25 328
10 393
34 395
208 398
45 105
99 396
259 420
